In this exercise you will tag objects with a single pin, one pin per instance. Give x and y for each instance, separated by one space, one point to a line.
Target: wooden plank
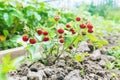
15 52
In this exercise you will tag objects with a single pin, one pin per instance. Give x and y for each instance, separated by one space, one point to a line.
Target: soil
93 67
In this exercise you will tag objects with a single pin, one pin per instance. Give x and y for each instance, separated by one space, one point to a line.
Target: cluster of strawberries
82 26
60 31
86 25
33 40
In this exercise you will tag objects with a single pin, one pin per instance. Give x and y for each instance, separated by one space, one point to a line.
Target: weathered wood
15 52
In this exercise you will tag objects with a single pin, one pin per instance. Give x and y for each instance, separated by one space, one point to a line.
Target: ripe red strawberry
89 26
71 29
60 36
32 41
56 18
46 38
61 41
25 38
78 19
68 25
45 33
90 31
73 32
82 26
60 31
39 31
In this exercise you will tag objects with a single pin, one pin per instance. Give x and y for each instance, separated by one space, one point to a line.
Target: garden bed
92 67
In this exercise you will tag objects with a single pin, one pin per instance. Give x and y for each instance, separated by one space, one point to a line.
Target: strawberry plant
58 39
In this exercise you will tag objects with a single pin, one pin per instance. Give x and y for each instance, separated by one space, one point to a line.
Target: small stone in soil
111 58
34 69
73 75
37 65
95 55
103 50
23 71
60 63
32 78
83 47
102 63
60 77
48 72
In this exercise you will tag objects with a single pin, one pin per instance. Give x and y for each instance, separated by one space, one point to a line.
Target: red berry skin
32 41
60 31
46 38
61 41
39 32
89 26
73 32
71 29
60 37
90 31
82 26
78 19
68 25
25 38
56 18
45 33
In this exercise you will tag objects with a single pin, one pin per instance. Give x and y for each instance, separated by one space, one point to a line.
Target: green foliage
102 9
8 65
11 43
116 53
17 18
97 42
109 65
80 57
108 10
